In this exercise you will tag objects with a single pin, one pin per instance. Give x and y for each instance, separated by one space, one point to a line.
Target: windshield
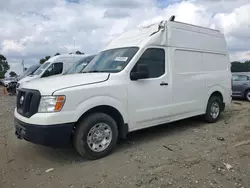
80 65
113 60
41 68
29 71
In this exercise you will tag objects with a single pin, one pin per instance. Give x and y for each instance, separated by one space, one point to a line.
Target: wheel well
114 113
248 89
218 94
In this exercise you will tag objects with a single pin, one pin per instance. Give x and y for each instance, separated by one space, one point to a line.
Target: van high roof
167 33
63 56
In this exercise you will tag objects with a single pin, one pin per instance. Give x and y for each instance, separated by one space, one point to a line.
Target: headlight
51 103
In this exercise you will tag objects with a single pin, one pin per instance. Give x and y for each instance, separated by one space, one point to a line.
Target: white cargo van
54 66
147 76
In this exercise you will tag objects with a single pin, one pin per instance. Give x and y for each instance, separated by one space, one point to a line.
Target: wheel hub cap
248 96
99 137
215 109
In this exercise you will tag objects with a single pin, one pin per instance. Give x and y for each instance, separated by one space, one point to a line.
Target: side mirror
141 73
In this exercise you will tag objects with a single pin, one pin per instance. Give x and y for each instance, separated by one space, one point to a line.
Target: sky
32 29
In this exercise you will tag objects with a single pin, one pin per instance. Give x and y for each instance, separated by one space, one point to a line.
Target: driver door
54 69
149 99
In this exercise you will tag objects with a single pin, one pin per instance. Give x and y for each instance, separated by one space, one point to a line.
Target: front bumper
59 135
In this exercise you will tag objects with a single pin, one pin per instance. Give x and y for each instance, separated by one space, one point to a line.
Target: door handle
163 84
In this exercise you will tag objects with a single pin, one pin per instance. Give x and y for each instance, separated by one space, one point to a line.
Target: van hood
48 85
28 78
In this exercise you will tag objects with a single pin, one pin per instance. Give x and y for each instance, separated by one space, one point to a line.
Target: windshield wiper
93 71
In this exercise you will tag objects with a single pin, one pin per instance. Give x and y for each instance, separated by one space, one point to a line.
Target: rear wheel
247 95
214 108
96 136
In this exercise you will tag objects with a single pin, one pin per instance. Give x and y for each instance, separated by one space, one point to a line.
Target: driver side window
154 60
54 69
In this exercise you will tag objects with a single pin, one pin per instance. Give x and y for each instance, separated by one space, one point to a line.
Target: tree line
4 66
236 66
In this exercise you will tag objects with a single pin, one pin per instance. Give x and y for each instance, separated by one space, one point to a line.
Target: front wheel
247 95
96 136
213 111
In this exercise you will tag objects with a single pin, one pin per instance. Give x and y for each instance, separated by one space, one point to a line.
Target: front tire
247 95
214 108
96 136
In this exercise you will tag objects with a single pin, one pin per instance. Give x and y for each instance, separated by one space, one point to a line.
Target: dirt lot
186 154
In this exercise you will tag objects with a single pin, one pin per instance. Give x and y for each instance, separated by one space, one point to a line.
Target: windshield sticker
121 58
119 67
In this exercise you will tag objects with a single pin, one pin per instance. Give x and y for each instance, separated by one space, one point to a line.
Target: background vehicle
28 72
6 81
145 77
54 66
80 65
11 88
241 85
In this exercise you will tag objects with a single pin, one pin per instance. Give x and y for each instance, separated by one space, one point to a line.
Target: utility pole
74 40
23 65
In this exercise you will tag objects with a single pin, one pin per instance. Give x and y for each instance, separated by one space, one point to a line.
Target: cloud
120 4
31 29
240 56
113 13
236 23
15 67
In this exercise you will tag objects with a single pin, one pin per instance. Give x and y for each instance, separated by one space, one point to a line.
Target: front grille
27 102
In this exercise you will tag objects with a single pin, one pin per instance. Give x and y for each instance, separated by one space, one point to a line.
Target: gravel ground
185 154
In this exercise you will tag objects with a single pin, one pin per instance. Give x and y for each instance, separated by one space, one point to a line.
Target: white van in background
29 71
145 77
79 65
54 66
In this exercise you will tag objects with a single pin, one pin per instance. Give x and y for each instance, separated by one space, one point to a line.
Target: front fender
93 102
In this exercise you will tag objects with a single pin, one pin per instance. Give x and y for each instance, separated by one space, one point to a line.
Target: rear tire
247 95
96 136
214 108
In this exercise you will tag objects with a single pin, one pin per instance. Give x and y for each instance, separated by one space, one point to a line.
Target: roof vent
171 19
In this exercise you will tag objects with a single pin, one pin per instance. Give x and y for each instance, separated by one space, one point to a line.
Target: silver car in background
241 85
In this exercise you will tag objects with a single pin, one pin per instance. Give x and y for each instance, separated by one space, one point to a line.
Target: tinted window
41 68
113 60
240 78
154 59
235 77
80 65
54 69
29 71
